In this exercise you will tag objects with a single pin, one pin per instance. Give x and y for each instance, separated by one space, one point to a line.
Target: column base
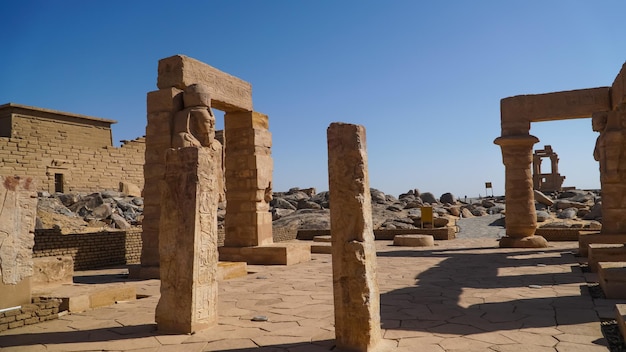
523 242
272 254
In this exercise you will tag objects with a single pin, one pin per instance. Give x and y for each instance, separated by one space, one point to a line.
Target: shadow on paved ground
477 290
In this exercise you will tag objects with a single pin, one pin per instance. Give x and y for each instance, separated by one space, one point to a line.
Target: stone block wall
84 169
66 152
90 250
101 249
41 309
61 131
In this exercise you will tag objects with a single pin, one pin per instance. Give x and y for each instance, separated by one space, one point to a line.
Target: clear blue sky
424 77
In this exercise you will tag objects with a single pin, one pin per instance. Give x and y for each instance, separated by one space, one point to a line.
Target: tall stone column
18 210
249 169
355 287
161 106
611 153
188 240
521 216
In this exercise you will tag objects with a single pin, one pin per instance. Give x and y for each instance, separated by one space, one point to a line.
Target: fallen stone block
413 240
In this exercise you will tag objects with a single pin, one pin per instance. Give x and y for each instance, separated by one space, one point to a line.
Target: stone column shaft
249 166
355 286
188 240
521 216
612 145
161 105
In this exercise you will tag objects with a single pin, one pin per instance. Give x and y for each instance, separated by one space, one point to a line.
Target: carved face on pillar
194 125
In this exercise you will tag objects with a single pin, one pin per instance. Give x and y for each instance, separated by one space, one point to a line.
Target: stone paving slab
461 295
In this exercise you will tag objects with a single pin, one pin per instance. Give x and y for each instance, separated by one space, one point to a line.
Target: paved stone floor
461 295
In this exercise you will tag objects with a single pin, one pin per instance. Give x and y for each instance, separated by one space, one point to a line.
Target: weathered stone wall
43 143
90 250
100 249
40 310
61 131
84 169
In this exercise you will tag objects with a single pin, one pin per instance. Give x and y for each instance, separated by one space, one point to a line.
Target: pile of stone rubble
307 209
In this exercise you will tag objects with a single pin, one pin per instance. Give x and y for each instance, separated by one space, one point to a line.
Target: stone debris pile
76 212
306 209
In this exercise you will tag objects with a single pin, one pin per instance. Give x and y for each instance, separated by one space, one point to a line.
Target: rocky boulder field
307 209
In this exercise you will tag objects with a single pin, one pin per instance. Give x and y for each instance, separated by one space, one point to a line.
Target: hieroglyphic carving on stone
18 209
355 286
188 240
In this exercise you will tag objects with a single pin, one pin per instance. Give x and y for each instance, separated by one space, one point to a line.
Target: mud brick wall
47 144
102 249
84 169
90 250
41 309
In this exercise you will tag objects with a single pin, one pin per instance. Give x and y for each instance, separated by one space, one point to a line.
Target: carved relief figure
608 148
194 126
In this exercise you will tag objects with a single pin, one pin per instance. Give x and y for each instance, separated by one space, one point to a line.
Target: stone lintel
272 254
618 89
555 106
228 93
586 238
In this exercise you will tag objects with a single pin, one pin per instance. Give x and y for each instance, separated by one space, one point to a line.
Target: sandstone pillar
521 216
249 167
188 240
161 107
355 288
611 154
18 210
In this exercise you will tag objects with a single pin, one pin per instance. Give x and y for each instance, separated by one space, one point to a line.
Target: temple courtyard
465 294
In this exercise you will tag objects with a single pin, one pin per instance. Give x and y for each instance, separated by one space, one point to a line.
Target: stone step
620 312
612 279
413 240
282 253
321 248
587 237
322 239
79 298
604 252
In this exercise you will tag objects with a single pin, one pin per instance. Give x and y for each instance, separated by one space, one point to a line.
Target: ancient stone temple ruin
66 152
547 182
607 106
247 164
